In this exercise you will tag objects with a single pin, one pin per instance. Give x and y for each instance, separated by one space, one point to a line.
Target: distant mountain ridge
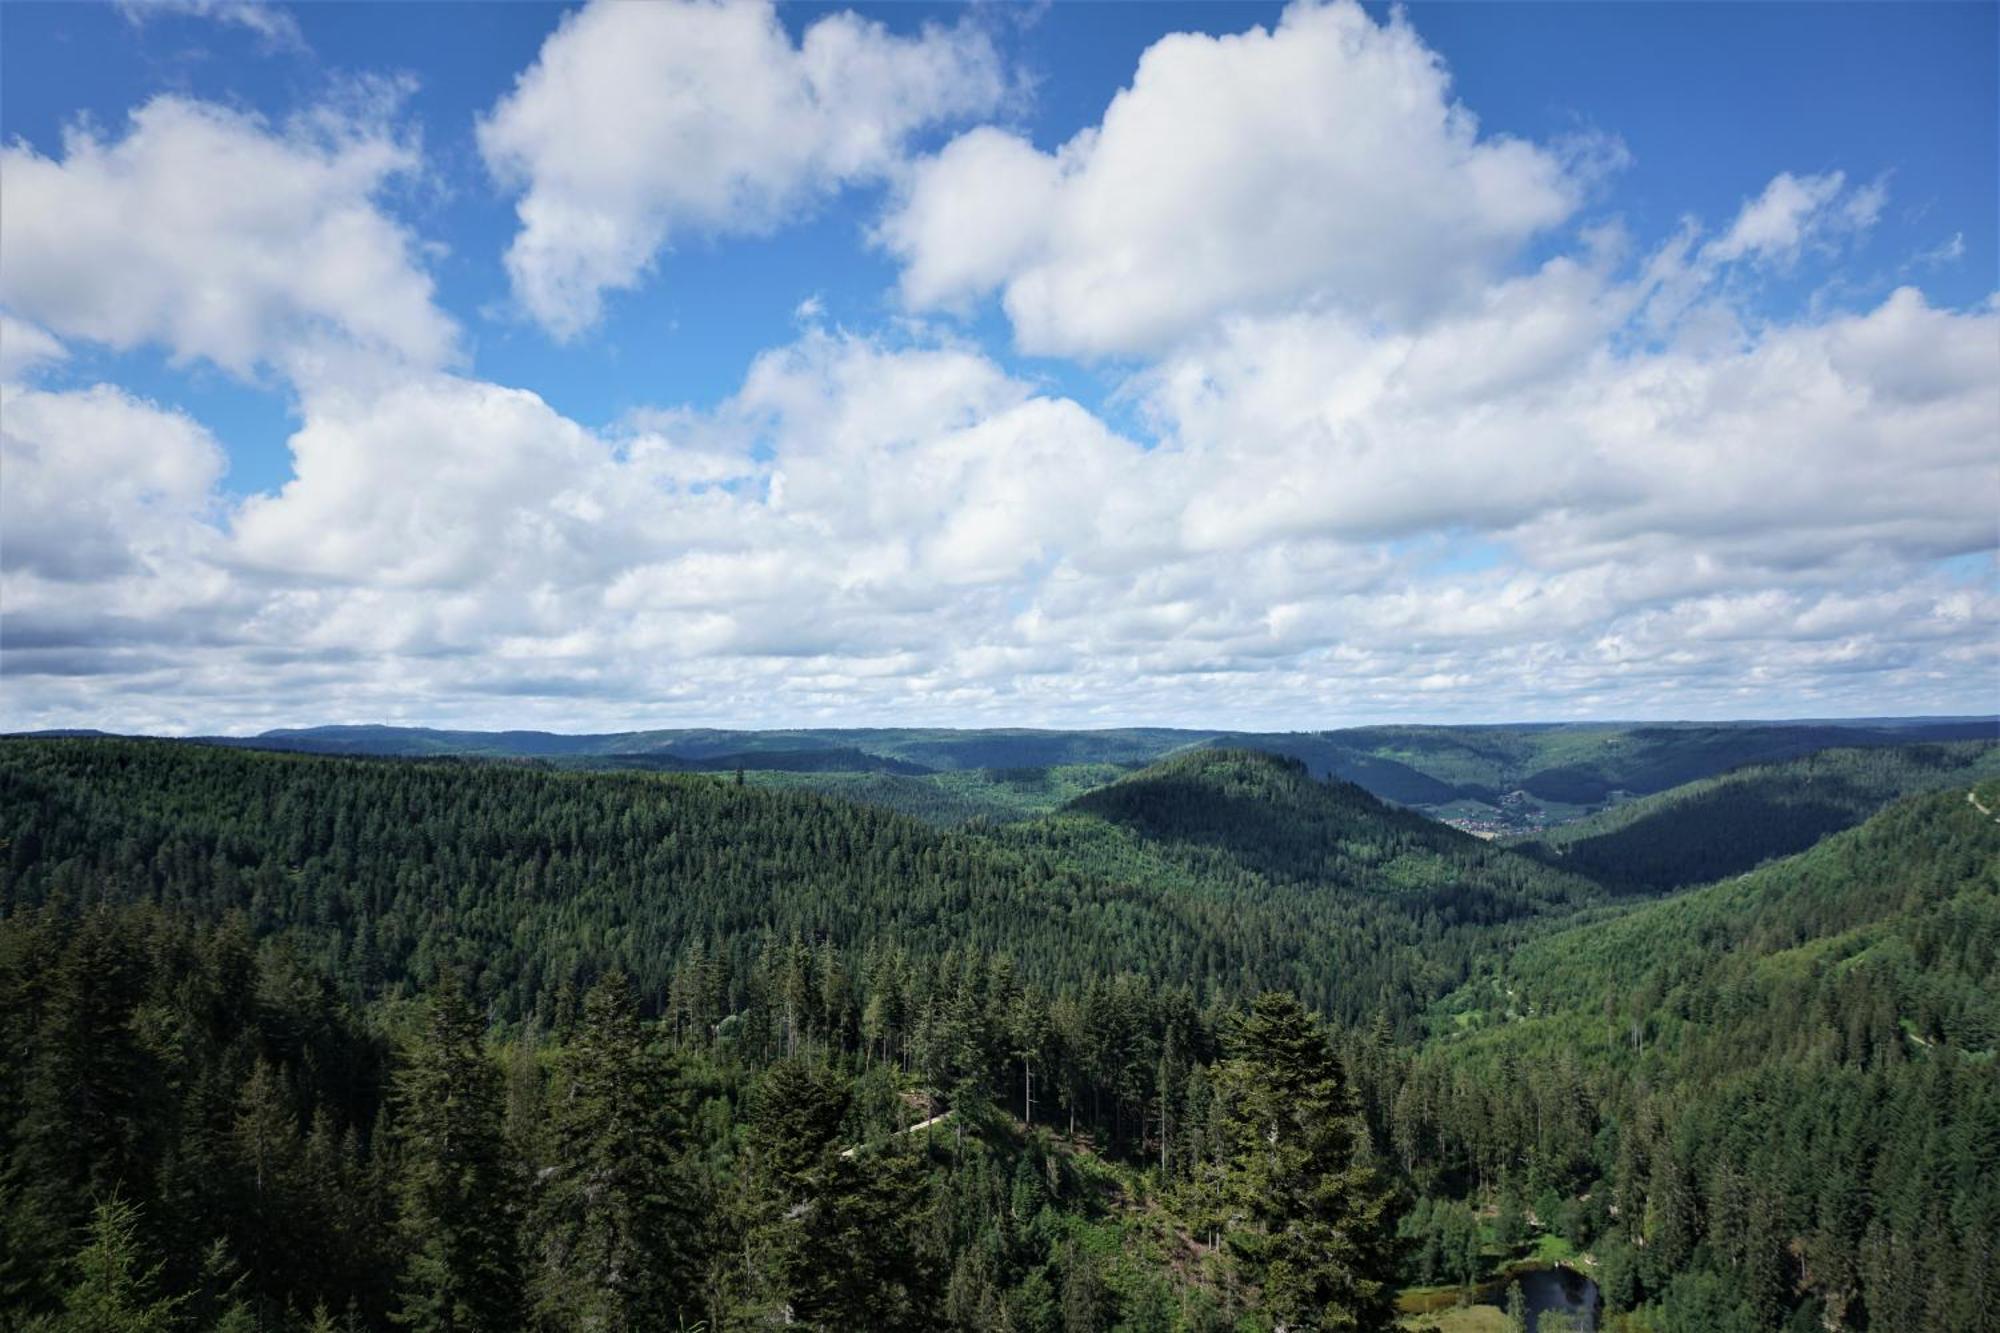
932 749
1489 779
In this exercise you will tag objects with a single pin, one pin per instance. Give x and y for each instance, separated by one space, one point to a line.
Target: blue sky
1239 493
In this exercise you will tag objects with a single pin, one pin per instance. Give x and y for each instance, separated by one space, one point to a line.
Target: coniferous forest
308 1042
840 666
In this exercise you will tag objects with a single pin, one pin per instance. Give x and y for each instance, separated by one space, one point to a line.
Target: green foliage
526 880
956 797
1725 825
854 1261
1316 1223
615 1217
1497 770
1785 1083
350 1038
219 1086
458 1207
115 1290
1397 907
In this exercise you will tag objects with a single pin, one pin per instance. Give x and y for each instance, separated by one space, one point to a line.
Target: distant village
1516 812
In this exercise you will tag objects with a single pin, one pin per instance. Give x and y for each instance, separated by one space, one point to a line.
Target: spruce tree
1316 1227
266 1153
88 1112
794 1118
856 1264
115 1290
457 1207
615 1220
838 1228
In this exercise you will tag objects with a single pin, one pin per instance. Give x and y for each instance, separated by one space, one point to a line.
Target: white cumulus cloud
218 236
640 123
903 531
1322 160
97 481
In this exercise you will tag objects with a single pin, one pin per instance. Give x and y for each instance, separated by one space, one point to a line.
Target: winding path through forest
921 1124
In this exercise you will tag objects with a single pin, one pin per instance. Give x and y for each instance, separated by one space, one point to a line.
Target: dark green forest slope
1725 825
527 878
1774 1094
956 796
249 995
1903 911
295 1041
1366 908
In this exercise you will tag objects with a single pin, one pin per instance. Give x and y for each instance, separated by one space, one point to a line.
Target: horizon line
1854 719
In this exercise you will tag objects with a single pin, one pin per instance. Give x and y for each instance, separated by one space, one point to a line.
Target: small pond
1558 1290
1546 1289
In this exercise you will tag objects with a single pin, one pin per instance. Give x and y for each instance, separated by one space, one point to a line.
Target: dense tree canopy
1728 824
527 880
304 1042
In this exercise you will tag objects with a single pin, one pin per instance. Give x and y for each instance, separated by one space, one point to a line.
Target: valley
1037 1029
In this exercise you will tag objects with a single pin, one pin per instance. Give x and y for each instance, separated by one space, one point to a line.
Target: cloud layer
1400 471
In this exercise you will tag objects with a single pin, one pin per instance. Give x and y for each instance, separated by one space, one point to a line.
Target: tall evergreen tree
839 1228
857 1265
265 1154
1318 1230
86 1120
458 1209
615 1218
794 1118
115 1290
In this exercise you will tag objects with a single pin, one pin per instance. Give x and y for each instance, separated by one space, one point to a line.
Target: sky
1079 364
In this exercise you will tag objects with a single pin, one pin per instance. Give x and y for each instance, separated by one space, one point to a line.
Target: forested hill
531 878
1226 813
1362 907
1725 825
1490 779
1778 1093
1585 763
928 749
1895 923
